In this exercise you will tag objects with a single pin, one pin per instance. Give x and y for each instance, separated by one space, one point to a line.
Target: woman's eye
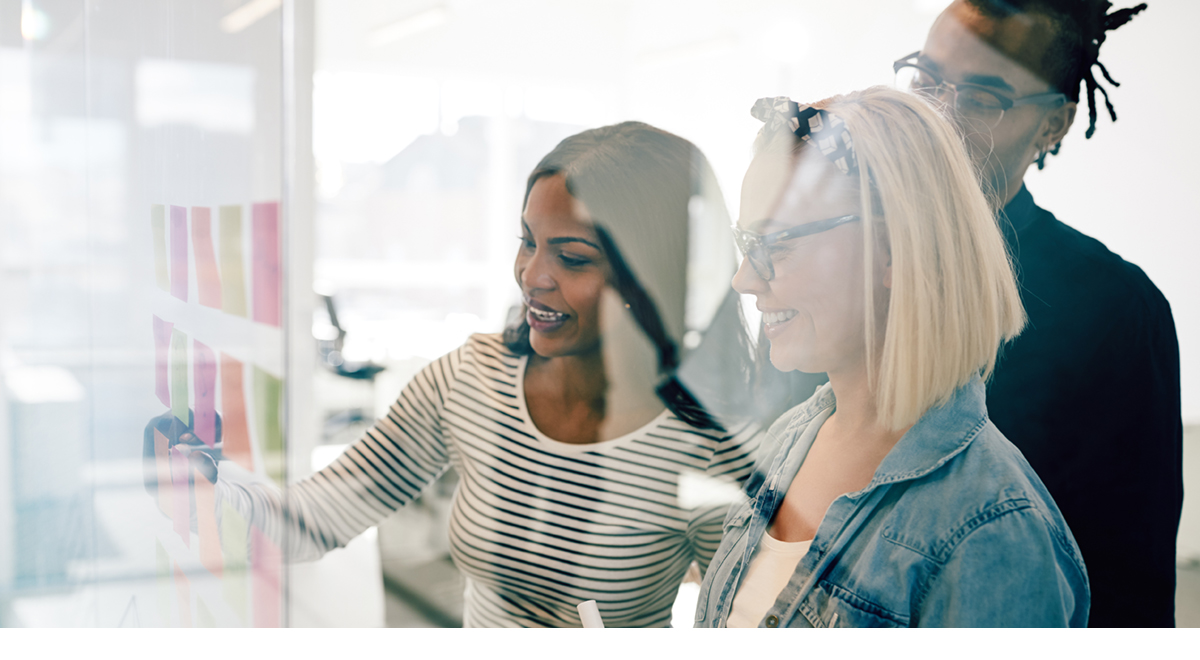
526 242
574 262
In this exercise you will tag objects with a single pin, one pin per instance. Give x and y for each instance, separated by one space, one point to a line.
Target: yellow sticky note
233 279
204 618
268 395
162 467
179 375
158 231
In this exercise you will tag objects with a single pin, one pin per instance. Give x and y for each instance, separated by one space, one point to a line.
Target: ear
1055 126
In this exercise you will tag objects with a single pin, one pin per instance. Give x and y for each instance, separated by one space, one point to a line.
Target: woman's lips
774 322
542 318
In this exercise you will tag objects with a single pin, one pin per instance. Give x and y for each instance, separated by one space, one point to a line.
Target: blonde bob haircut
953 299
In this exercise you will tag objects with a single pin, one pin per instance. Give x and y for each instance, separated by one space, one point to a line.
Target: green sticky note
204 618
163 582
268 395
158 228
234 544
179 375
233 280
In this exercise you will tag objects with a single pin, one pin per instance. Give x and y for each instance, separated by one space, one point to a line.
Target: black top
1089 392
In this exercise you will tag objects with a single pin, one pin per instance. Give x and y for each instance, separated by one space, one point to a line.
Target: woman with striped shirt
572 431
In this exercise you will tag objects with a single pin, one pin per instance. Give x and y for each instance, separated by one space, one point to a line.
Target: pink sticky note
208 281
265 562
181 500
268 306
206 524
162 350
179 253
204 377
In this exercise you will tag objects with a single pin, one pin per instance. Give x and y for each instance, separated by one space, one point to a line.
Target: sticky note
233 279
265 560
208 281
206 524
268 307
162 464
204 618
179 375
179 253
184 592
163 583
162 349
233 551
158 234
268 394
181 501
235 432
204 382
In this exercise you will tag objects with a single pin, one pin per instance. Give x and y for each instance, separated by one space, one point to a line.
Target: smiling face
561 271
813 308
1003 55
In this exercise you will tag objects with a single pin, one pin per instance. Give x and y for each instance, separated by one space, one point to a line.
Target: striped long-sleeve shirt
537 526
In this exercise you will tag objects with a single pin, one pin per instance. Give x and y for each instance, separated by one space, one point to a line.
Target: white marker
590 614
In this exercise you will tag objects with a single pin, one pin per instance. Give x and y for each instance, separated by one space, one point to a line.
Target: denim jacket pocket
831 606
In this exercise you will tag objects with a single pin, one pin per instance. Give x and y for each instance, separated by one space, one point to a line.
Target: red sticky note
181 503
235 430
206 524
179 253
162 465
185 598
265 562
162 350
204 380
208 281
268 307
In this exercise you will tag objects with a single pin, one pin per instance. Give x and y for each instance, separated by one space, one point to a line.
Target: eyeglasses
754 246
971 102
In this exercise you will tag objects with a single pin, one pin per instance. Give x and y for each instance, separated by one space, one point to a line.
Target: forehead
551 204
781 191
964 44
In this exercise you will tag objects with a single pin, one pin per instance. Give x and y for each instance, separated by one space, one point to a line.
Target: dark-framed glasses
755 246
972 102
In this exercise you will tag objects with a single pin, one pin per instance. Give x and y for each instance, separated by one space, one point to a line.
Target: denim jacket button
772 621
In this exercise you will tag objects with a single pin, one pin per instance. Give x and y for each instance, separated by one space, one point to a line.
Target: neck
579 379
857 412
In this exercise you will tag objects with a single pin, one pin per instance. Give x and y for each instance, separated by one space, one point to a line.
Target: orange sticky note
235 431
208 281
206 518
265 562
162 463
185 598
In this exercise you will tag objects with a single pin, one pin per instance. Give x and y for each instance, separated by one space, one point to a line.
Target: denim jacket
954 529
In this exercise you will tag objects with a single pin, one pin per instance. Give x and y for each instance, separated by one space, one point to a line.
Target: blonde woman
888 498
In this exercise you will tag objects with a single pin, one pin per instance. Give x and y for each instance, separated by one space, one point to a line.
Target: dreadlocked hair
1081 27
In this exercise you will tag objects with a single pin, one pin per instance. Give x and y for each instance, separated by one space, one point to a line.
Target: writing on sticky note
268 299
162 350
204 380
266 563
233 279
206 524
208 281
184 592
181 500
158 234
179 253
268 395
235 431
162 464
163 583
179 376
234 543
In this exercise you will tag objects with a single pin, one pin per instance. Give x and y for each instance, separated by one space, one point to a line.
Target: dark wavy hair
637 182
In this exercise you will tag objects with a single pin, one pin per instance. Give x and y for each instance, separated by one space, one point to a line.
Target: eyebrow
561 240
974 78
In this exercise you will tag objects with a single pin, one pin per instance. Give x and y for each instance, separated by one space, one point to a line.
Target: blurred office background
396 136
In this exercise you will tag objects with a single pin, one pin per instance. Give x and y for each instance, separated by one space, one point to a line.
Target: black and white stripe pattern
537 526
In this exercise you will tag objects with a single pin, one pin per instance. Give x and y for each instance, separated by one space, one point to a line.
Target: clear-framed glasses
754 246
972 102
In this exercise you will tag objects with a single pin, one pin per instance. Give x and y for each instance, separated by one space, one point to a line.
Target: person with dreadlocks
1090 391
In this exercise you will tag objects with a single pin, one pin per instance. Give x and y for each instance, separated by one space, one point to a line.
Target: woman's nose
746 279
533 273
